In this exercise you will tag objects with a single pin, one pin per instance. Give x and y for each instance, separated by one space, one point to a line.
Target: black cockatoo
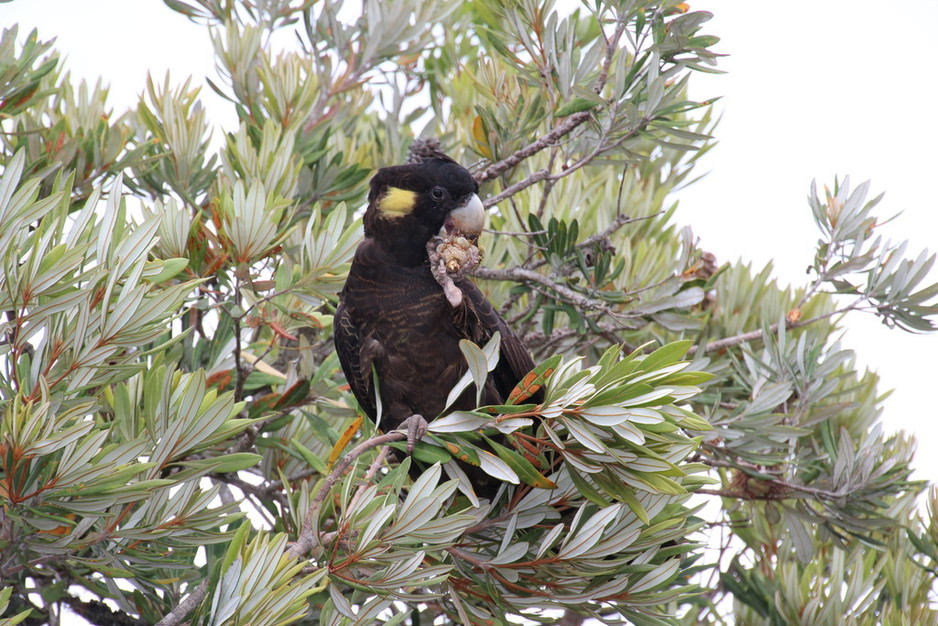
404 321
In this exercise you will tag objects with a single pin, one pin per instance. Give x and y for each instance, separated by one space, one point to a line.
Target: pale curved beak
468 218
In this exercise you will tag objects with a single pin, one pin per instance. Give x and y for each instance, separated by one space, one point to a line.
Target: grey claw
415 427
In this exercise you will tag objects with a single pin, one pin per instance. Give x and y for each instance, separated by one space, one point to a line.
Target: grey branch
824 494
562 129
550 139
308 539
522 275
536 177
756 335
185 607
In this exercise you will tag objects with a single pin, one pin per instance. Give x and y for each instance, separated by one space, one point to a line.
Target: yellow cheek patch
397 202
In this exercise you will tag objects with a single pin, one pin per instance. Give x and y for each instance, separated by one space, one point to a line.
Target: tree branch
307 539
536 177
755 335
620 221
612 44
550 139
739 495
261 492
545 174
97 612
823 494
185 606
520 274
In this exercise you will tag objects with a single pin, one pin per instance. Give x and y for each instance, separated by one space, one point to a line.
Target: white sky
813 90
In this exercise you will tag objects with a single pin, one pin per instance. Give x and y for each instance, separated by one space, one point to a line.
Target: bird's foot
450 290
452 255
415 427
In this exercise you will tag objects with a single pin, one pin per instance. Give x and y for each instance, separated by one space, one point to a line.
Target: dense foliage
177 438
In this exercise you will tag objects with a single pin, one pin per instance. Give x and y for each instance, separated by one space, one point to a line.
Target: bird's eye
437 193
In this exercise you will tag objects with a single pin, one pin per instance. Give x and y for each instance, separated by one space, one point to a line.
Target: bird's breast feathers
388 293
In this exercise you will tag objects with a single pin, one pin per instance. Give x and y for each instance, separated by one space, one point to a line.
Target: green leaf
589 533
665 355
480 362
657 577
575 106
804 545
521 466
424 452
497 468
587 490
312 459
534 380
458 421
461 450
237 542
167 269
631 501
234 462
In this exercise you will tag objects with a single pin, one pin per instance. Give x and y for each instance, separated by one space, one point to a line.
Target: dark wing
349 348
480 323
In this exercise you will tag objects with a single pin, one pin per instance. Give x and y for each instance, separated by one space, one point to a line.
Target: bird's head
409 204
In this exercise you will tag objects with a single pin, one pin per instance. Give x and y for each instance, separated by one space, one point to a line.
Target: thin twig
224 494
739 495
564 128
186 606
307 539
372 470
277 484
510 302
755 335
261 492
619 222
240 373
548 185
513 234
545 174
470 558
820 493
536 177
558 132
612 45
520 274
